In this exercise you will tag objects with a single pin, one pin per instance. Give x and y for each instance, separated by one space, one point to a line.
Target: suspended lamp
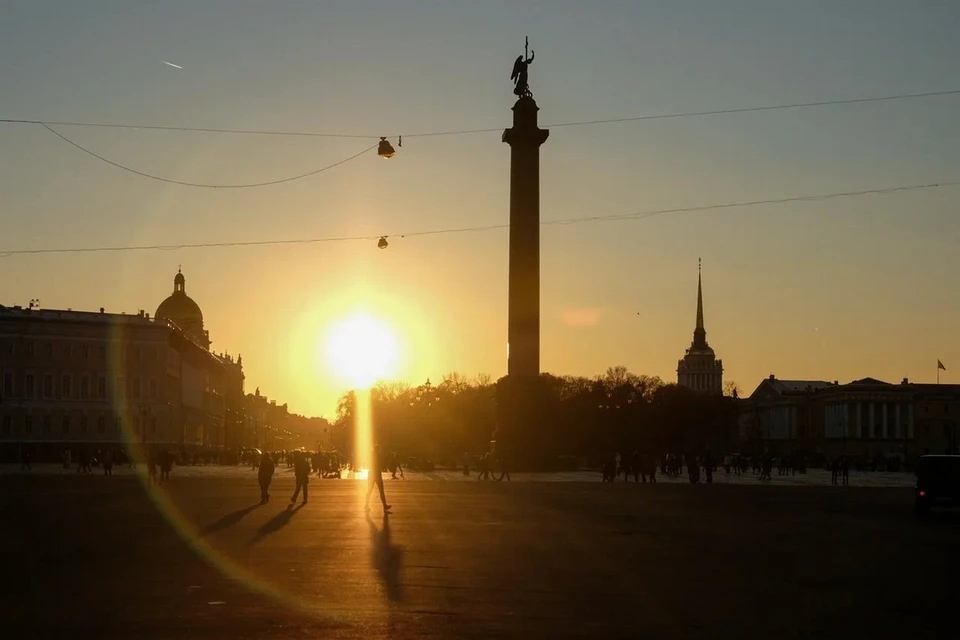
385 149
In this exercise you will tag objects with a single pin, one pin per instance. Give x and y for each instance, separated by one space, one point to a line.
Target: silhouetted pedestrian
265 477
166 465
151 469
504 468
396 465
83 461
375 478
301 473
106 461
484 465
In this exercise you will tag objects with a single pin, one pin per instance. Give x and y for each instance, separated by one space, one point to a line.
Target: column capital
520 137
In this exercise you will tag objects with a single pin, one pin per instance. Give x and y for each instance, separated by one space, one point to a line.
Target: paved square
96 557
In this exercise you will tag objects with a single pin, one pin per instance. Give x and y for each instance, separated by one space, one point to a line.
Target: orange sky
835 289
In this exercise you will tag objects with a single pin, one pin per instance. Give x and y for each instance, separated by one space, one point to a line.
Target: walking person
83 461
265 477
484 465
375 478
504 467
151 469
106 461
396 464
166 464
301 473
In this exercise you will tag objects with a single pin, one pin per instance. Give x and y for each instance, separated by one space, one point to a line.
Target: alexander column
524 138
519 405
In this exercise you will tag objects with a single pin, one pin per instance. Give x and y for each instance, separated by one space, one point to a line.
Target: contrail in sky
170 64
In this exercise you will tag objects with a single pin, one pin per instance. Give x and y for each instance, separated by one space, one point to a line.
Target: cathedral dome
180 309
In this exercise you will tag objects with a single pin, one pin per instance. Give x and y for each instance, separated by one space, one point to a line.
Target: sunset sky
835 289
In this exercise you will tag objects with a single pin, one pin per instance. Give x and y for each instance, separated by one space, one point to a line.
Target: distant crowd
644 467
640 467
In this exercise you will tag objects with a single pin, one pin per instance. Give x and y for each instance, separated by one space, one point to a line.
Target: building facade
869 418
94 380
699 369
234 401
268 427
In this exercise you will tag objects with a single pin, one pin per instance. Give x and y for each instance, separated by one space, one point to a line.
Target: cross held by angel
519 76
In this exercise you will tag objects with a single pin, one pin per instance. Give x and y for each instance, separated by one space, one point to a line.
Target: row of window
67 425
891 411
68 350
82 388
880 432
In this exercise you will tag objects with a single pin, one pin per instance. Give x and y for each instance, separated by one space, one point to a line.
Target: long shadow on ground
277 522
228 520
386 556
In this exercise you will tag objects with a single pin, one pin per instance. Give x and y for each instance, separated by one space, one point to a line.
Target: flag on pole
940 366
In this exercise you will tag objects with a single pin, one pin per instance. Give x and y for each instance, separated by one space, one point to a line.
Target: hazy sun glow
361 350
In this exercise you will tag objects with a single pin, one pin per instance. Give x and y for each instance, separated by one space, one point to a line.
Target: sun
361 350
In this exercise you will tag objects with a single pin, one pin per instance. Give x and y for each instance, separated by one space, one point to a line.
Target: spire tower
699 332
700 369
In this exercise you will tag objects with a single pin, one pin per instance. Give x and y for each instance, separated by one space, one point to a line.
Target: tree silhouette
567 420
732 389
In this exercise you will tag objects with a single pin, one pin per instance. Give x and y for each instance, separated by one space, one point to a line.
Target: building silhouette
699 369
868 418
181 310
88 379
93 379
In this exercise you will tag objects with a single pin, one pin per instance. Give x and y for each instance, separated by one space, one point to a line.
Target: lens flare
363 438
368 350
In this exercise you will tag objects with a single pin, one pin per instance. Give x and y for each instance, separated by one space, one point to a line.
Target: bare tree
389 390
618 376
732 389
455 383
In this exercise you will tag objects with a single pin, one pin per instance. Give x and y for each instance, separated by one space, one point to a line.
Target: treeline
585 418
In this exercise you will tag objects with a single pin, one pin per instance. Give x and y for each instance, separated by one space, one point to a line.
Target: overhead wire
48 125
198 184
158 127
456 132
777 107
640 215
754 203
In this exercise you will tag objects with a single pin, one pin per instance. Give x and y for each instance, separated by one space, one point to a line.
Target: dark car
938 483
